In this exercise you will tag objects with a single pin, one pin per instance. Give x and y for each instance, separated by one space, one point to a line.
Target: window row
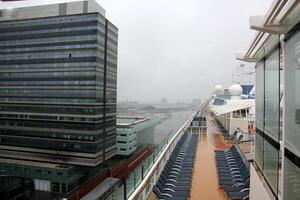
37 91
54 65
51 100
64 136
47 74
65 145
55 30
43 109
42 83
47 21
49 55
47 48
52 39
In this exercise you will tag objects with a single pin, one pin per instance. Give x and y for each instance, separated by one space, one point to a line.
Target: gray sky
179 49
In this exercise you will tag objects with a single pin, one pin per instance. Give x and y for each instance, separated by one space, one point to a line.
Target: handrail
135 194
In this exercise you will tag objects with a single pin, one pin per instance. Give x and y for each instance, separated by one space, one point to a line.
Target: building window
64 188
272 113
55 187
292 91
267 147
291 174
272 74
259 149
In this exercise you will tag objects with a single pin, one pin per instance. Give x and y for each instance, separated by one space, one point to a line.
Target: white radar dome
236 90
218 89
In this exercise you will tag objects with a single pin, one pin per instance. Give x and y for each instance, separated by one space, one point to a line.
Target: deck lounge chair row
223 130
233 174
226 134
175 179
199 120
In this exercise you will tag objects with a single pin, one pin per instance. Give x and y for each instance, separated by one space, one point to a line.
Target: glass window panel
119 194
146 167
272 95
138 176
130 184
292 92
271 165
259 98
259 144
150 159
291 180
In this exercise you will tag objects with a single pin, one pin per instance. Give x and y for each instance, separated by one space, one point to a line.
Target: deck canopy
232 105
280 18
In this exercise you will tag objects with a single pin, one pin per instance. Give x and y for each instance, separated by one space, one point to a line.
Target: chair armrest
231 162
169 189
166 194
177 166
235 172
238 184
172 176
246 189
237 175
170 184
172 180
172 172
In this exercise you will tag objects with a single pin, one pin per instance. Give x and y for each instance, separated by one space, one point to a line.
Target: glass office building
58 72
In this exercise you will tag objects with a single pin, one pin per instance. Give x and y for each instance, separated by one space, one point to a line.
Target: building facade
58 71
136 132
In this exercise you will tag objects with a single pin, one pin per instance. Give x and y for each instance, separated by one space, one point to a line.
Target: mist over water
171 125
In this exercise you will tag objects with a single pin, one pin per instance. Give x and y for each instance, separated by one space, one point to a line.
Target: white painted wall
41 185
241 123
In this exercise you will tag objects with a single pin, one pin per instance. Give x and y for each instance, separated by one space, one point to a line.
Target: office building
58 70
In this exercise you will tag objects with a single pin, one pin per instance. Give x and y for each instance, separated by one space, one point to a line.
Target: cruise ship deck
205 183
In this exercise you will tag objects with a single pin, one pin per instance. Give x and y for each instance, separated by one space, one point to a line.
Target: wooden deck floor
205 183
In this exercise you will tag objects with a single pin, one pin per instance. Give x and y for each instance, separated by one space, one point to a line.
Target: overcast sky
179 49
